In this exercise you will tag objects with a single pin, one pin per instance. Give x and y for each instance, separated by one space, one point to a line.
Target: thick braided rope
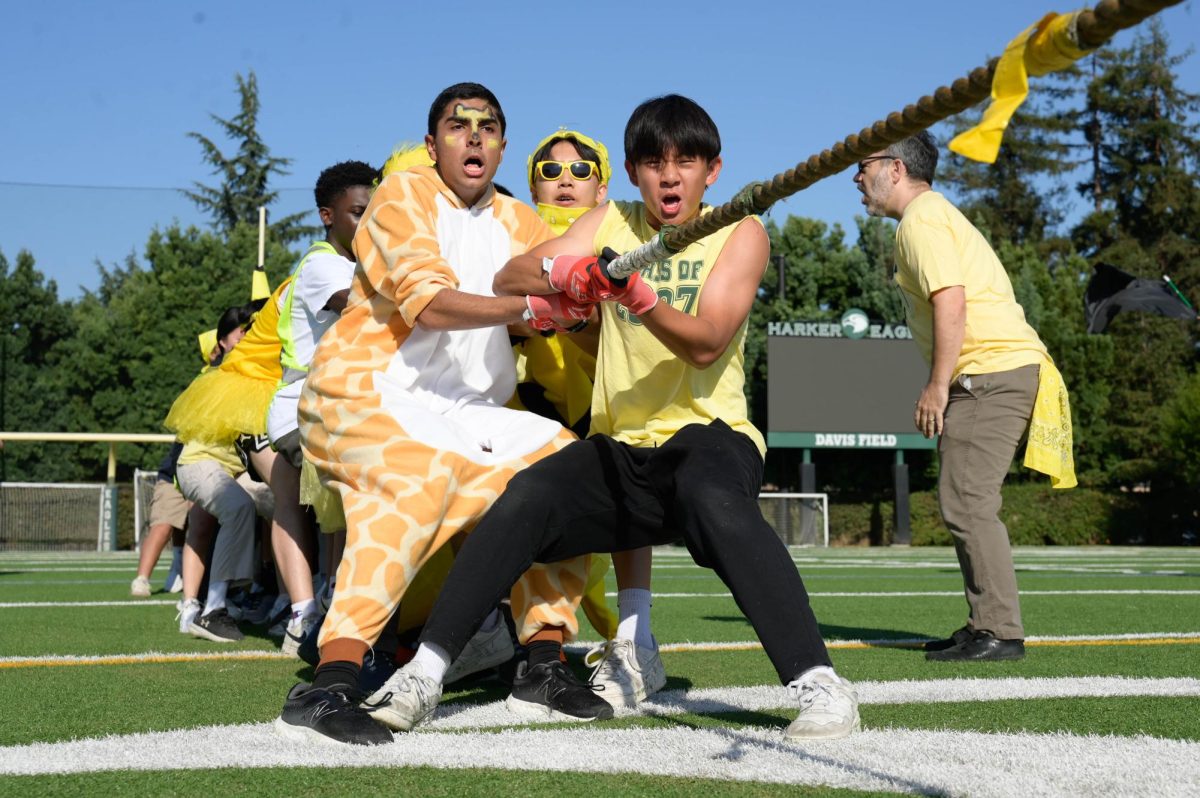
1093 28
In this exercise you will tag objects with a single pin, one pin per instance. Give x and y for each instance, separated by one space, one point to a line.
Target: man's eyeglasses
862 165
552 170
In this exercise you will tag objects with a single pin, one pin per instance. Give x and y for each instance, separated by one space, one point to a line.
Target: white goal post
792 515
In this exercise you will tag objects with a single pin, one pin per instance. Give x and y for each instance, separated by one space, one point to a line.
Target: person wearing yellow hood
568 175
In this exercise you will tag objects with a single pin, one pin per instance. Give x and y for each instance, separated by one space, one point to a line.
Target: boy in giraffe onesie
402 411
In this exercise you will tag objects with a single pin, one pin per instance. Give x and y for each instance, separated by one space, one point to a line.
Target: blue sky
103 94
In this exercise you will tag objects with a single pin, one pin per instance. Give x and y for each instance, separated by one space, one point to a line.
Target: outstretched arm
524 274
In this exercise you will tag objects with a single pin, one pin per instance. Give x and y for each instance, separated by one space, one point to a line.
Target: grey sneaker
625 673
483 651
140 587
406 699
216 626
297 629
828 708
189 610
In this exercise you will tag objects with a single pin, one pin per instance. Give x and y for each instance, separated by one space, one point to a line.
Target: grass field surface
102 695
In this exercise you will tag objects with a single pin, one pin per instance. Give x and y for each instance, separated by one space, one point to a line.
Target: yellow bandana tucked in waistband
1049 449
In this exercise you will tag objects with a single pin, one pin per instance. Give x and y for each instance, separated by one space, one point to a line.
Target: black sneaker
980 647
377 667
957 638
218 626
551 691
311 713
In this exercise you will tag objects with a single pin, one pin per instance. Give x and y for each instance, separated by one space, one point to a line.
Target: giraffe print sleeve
399 239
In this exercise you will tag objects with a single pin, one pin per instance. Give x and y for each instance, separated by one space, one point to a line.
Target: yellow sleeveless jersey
645 393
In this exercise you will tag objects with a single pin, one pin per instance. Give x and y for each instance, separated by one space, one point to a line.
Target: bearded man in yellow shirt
987 369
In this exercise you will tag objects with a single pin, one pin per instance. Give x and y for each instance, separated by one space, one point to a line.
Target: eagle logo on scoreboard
855 323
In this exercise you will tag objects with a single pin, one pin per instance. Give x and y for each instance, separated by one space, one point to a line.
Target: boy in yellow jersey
672 453
402 412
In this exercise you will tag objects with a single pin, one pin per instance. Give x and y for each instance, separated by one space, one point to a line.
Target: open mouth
670 204
473 166
565 198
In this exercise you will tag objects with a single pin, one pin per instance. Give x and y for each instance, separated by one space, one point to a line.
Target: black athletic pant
598 495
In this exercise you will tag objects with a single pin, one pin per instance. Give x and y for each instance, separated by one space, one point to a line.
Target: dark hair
586 153
232 318
463 91
919 154
501 189
670 123
340 177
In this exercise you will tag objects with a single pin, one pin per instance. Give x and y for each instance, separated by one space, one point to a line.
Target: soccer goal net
143 492
53 516
800 519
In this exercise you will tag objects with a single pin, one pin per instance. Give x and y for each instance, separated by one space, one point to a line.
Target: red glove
637 295
581 278
541 311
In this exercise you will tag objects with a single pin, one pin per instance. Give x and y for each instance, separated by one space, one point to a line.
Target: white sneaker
177 585
625 672
297 629
189 610
140 587
406 699
484 650
828 707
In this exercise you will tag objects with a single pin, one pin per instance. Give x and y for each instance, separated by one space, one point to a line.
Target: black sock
543 652
338 676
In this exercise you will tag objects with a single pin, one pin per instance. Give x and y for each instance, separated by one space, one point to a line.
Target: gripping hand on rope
585 279
544 312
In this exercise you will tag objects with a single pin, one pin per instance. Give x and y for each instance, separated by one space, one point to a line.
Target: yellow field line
844 645
858 645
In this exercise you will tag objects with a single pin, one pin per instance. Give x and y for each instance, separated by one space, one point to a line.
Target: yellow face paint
493 144
476 116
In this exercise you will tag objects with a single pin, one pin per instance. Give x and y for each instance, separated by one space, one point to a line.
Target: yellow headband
576 136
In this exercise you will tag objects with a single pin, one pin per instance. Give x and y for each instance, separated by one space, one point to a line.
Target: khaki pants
235 504
986 419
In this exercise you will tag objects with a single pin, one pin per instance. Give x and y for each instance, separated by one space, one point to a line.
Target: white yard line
910 761
928 691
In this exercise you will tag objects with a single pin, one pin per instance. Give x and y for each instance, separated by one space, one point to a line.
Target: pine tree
1021 197
1145 220
246 176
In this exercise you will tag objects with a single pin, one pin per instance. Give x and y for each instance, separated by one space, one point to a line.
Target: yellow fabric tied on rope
1051 439
1041 49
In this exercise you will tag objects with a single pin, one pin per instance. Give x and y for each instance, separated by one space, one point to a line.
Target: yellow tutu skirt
219 406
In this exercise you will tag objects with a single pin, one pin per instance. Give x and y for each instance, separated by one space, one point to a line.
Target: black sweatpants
599 495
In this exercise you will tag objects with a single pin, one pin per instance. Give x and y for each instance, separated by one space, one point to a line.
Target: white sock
301 609
633 605
433 660
822 670
216 596
489 623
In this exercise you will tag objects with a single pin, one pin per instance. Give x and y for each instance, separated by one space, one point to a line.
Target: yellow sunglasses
553 170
